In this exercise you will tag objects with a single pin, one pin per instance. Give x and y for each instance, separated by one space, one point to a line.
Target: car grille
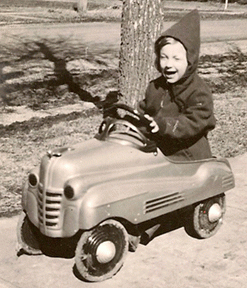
162 202
49 204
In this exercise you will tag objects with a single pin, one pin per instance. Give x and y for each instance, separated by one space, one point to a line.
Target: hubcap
214 213
105 252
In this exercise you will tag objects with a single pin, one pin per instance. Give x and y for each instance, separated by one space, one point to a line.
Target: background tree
226 4
141 25
82 6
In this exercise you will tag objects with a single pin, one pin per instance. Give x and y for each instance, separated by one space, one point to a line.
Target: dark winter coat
183 110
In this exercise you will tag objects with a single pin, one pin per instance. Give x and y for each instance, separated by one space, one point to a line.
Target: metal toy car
106 194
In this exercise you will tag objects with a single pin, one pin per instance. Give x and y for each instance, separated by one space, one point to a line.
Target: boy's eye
163 57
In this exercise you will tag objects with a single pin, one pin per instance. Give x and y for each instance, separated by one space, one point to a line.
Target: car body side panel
112 181
141 199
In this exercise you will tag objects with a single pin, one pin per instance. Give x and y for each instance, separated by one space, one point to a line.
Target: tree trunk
82 6
141 25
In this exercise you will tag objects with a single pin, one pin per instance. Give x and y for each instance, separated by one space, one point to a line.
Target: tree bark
141 25
82 6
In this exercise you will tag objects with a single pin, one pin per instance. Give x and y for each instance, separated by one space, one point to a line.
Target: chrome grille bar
49 205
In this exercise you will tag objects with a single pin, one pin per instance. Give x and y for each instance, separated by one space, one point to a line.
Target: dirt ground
171 260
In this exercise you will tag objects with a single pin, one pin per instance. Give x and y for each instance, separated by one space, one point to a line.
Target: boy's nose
169 63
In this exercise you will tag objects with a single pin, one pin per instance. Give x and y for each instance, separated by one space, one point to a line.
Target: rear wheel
101 252
27 236
206 218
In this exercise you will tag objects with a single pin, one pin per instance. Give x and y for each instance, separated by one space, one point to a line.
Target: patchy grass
229 138
226 76
224 72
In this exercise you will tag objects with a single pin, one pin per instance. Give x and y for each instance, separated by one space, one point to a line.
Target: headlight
69 192
33 180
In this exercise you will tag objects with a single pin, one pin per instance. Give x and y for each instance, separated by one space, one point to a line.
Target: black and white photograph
123 143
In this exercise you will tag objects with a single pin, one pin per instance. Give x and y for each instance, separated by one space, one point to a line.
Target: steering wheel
130 124
143 120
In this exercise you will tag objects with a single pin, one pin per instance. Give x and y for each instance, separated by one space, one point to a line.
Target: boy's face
173 61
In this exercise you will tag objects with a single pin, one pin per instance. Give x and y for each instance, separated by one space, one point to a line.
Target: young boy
179 104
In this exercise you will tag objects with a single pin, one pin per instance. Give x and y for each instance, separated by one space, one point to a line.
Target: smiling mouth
170 76
169 73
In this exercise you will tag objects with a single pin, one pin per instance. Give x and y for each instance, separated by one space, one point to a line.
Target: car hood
92 157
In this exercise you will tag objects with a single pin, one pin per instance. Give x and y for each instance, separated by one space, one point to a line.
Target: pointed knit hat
187 31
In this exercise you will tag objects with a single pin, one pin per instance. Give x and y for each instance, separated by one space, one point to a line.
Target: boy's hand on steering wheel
153 125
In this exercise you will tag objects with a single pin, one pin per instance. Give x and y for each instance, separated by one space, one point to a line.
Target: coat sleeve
151 103
142 105
196 117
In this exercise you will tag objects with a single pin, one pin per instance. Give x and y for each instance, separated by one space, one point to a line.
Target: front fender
114 199
29 200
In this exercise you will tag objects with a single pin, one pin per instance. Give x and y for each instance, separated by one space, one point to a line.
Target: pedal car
106 194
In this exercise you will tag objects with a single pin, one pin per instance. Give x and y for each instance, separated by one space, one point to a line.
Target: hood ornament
53 154
59 152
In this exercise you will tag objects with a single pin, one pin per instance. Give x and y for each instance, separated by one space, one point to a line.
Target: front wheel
27 236
101 252
206 218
